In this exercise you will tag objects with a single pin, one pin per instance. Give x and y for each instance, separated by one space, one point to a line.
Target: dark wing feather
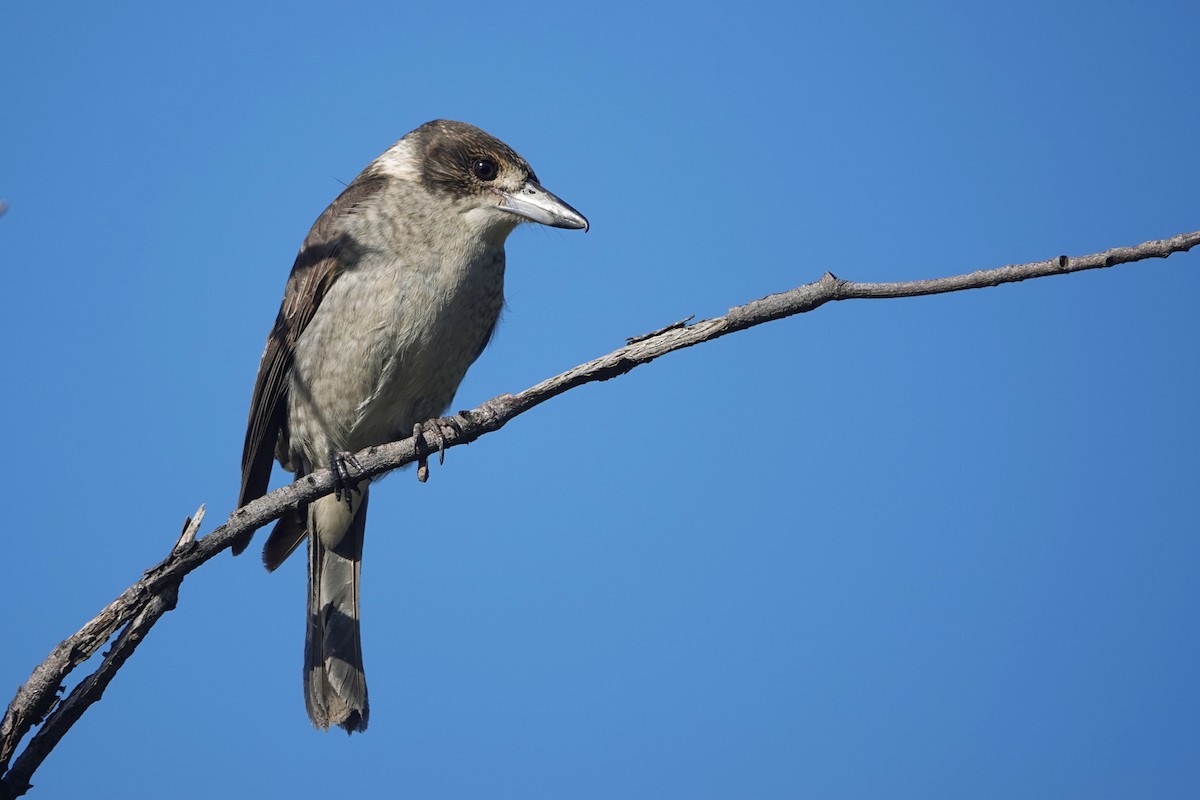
327 251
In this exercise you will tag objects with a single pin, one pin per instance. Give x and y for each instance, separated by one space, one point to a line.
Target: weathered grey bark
141 605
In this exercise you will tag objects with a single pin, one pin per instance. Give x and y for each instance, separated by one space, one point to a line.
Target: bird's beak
534 203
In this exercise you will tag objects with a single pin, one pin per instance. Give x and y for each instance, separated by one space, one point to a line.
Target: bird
395 292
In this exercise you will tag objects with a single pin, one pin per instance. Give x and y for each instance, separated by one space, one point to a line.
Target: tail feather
335 686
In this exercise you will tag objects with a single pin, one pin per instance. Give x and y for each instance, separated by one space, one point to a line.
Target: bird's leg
341 465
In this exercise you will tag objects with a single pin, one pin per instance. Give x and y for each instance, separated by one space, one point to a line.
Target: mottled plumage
395 292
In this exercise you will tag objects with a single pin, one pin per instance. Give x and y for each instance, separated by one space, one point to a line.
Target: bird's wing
327 251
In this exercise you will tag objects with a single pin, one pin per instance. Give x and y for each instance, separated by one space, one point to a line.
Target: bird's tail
335 686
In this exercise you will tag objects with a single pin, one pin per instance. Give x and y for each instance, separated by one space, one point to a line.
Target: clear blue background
939 547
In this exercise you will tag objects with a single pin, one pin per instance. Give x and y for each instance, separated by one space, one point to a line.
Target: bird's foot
343 465
436 428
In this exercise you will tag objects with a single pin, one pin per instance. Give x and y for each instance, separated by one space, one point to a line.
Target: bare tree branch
136 610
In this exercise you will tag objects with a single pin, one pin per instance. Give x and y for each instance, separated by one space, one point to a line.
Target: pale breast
389 345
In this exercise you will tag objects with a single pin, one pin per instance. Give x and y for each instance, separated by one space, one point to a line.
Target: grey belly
370 365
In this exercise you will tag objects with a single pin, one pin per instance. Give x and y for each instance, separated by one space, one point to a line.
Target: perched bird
395 292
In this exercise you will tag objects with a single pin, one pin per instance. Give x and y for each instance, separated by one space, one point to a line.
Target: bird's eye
484 169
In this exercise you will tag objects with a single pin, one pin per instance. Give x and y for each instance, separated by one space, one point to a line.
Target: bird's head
485 178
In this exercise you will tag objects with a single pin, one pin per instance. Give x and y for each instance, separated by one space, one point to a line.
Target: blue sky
937 547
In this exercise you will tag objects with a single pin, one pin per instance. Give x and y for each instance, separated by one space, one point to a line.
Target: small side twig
59 717
673 326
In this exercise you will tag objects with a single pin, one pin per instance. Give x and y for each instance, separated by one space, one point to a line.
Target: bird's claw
343 465
436 428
